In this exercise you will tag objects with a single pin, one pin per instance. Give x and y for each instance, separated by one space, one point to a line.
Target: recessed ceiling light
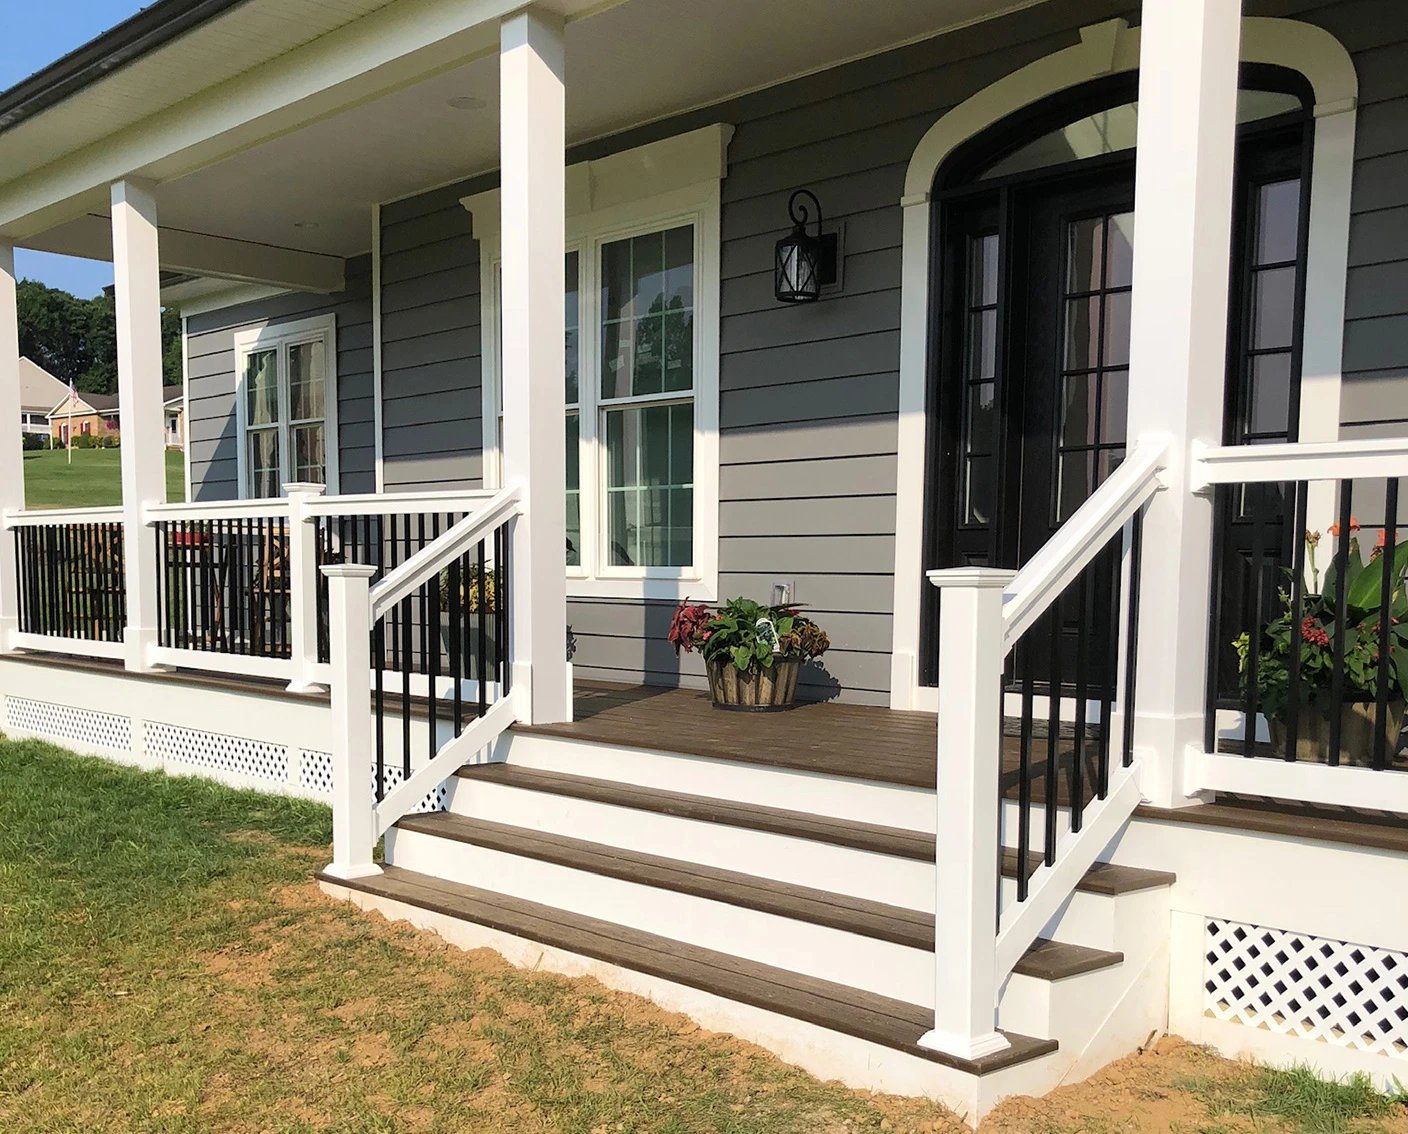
465 102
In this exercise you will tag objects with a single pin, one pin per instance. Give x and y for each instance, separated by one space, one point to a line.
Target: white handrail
434 557
263 508
388 503
53 517
1320 460
1080 539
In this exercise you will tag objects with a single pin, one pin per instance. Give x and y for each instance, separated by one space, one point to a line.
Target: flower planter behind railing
1321 652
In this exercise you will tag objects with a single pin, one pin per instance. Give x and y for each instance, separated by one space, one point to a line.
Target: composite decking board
798 824
1375 830
864 742
890 1023
1057 960
854 915
1102 878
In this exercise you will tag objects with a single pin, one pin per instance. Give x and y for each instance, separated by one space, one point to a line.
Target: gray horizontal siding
211 367
430 355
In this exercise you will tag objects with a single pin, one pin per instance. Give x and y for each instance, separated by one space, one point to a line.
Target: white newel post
11 444
533 153
1183 226
137 288
353 738
303 571
969 819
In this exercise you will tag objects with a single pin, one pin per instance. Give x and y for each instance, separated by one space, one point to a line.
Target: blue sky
35 34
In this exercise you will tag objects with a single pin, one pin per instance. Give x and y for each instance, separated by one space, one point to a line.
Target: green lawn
92 480
167 964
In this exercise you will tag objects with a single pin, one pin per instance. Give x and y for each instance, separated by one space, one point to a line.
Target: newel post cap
349 571
975 578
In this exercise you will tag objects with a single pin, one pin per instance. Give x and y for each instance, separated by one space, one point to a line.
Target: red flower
1311 631
1353 527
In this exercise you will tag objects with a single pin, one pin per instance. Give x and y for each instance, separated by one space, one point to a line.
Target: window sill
660 590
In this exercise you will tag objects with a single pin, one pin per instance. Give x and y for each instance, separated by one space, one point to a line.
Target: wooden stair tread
1378 830
855 915
890 1023
1056 960
1103 878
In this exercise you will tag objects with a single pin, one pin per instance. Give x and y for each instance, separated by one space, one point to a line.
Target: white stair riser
784 858
818 951
1127 923
1068 1010
862 801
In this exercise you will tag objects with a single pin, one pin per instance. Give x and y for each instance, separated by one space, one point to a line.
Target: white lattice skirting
217 752
1294 984
65 723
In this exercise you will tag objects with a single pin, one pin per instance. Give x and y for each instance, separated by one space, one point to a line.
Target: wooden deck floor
858 741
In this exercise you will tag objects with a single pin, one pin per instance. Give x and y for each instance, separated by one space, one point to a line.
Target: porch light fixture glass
804 262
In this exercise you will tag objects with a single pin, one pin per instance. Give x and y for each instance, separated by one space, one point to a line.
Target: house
174 408
1021 343
83 414
39 390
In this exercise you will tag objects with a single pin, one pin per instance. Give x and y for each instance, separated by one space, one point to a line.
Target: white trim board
1111 48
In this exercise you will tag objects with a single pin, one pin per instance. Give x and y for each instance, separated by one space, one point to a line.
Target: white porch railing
461 581
984 614
1309 619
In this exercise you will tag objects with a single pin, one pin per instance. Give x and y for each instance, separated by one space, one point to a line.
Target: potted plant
479 604
1315 638
753 653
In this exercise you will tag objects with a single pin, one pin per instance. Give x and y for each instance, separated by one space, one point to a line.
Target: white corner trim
185 405
378 441
1112 47
280 335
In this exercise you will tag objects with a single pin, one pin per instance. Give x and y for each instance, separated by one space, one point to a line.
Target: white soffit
638 61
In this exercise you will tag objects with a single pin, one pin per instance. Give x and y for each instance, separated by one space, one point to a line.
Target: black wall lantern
805 263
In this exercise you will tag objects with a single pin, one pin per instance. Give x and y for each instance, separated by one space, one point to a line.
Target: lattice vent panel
218 752
315 771
394 778
1317 988
65 723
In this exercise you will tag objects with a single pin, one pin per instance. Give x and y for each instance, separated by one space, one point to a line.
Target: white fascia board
199 296
384 51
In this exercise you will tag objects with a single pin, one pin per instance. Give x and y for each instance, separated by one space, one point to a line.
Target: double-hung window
286 406
641 391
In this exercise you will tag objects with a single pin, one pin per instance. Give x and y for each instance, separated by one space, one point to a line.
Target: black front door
1034 379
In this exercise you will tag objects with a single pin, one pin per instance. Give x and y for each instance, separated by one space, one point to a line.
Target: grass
167 965
1300 1099
93 480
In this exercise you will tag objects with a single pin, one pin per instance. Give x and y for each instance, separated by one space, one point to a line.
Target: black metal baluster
1297 536
379 684
1131 645
455 614
1386 589
487 609
503 596
1107 567
433 654
1084 586
1257 494
1053 732
1341 620
1024 775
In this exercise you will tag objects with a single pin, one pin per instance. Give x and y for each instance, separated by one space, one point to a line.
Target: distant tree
76 339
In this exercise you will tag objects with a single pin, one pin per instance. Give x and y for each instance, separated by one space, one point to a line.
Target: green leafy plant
1322 631
477 592
747 634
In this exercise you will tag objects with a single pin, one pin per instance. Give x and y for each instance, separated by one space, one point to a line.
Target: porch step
1046 960
1104 878
881 1020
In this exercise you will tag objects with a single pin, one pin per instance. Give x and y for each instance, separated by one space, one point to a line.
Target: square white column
533 151
136 276
11 441
1178 353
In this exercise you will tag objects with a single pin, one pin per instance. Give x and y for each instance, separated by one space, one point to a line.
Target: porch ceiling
312 189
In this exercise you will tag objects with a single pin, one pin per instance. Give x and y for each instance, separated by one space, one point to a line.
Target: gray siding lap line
211 359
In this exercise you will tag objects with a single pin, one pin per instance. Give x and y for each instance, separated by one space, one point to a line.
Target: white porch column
1178 361
533 153
136 274
969 818
11 443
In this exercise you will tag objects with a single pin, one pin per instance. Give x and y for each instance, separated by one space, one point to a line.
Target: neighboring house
174 413
83 415
39 390
856 305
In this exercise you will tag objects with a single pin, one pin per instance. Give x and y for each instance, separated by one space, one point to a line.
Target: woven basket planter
1357 734
754 690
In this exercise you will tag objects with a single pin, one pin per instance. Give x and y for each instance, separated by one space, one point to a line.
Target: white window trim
663 185
280 336
1110 48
